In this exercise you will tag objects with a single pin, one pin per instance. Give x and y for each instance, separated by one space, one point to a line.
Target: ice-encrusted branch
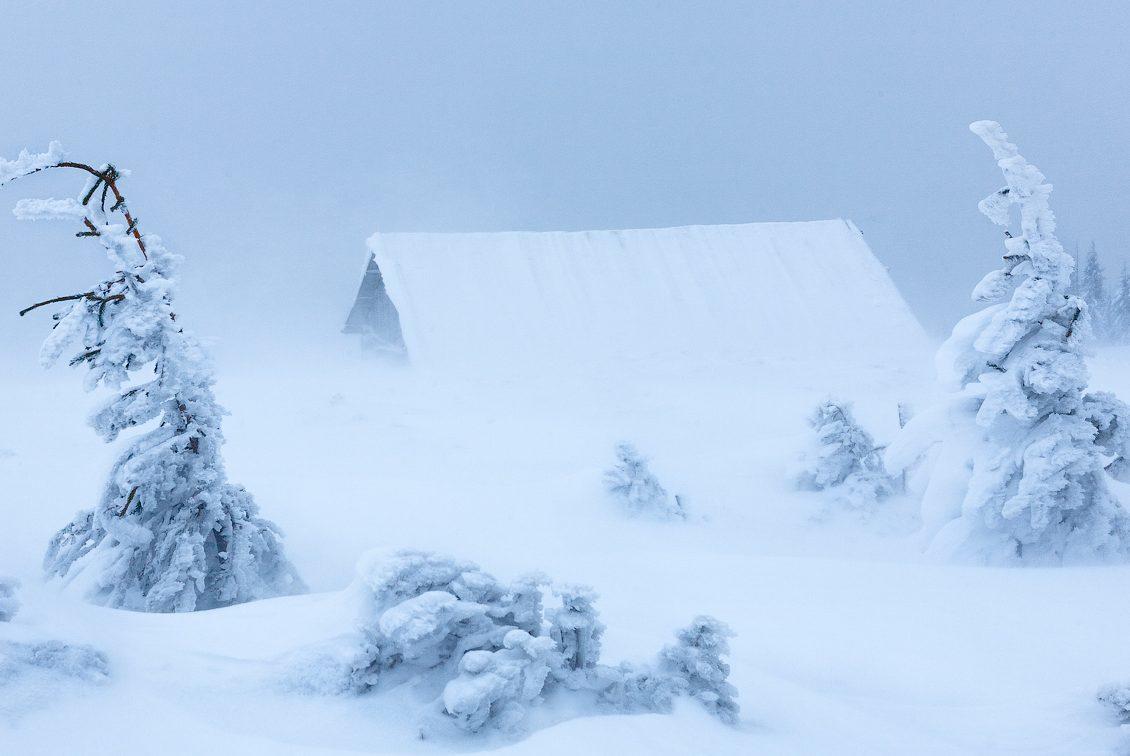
28 163
104 178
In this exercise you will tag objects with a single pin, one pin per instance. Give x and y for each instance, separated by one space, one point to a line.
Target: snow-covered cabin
748 291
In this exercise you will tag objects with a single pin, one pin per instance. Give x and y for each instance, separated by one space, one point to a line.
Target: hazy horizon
267 141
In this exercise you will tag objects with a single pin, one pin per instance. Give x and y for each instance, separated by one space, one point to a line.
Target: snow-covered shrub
841 447
485 653
170 532
697 660
861 490
1021 473
691 667
632 688
501 684
53 657
1117 697
576 629
9 601
428 610
631 483
844 459
38 674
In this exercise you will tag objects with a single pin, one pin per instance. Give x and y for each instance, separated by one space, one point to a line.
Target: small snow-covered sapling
844 458
632 483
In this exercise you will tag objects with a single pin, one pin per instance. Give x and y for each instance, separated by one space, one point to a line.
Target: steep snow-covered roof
760 290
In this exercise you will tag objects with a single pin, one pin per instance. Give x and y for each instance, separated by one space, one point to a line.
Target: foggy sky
268 141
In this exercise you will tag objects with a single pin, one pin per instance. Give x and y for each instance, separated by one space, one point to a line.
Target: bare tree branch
71 297
129 500
110 177
53 300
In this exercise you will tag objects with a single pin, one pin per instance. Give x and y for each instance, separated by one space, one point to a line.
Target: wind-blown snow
774 289
846 641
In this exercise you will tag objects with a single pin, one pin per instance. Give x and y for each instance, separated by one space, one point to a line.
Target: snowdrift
766 290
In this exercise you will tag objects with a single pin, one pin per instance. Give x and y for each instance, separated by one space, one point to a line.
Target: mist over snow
647 436
267 140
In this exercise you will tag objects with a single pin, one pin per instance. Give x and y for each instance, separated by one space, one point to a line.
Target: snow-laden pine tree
170 532
1021 472
632 483
1119 323
1092 287
844 457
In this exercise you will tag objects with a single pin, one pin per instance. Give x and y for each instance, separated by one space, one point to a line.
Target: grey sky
268 140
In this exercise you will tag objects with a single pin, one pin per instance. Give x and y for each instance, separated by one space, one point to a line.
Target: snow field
848 640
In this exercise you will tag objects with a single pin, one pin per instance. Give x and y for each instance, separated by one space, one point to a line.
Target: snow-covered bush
631 483
697 660
844 458
170 532
691 667
501 684
9 601
576 629
428 610
485 653
52 657
841 447
1117 697
1021 473
634 688
35 675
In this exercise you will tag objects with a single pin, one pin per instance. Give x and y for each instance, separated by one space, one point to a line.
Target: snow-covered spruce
844 458
1092 288
487 652
9 601
634 486
1120 309
1021 472
170 532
